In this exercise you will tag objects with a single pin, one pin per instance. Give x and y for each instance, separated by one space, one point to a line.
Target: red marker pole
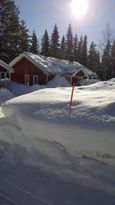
71 99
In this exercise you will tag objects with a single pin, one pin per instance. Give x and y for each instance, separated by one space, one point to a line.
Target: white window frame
35 76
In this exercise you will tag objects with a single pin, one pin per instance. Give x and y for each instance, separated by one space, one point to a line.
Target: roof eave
6 66
23 55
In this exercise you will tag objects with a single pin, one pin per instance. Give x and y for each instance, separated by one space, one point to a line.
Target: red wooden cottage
32 69
5 73
29 69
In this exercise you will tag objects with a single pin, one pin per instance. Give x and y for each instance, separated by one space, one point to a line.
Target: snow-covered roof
52 65
6 66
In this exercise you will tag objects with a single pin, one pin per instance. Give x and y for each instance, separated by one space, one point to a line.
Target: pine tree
106 45
34 48
80 48
24 37
62 53
93 59
75 48
84 51
45 49
98 71
106 62
69 42
113 59
9 31
54 44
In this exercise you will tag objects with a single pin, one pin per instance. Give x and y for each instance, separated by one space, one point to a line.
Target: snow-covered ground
52 155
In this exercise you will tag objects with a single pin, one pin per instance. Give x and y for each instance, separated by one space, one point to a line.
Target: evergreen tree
106 62
113 59
106 45
69 42
24 37
93 59
62 54
34 48
9 31
84 51
98 65
54 44
45 50
75 48
80 48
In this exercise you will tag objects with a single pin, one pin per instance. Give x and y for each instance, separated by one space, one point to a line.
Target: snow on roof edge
25 54
6 66
79 70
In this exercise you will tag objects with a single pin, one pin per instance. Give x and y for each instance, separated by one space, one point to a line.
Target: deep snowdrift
93 103
50 154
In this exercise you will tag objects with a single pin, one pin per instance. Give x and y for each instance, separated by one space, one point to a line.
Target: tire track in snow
25 192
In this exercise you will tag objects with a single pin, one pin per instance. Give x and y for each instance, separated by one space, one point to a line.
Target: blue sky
43 14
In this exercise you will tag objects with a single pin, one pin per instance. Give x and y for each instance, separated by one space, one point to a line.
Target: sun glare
79 8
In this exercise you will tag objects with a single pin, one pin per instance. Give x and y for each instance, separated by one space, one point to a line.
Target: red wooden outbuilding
28 70
32 69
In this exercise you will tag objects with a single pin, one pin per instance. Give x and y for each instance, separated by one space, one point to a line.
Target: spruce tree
98 65
45 50
34 48
93 59
106 45
9 31
84 51
106 62
113 59
80 48
69 42
62 53
24 37
75 48
54 43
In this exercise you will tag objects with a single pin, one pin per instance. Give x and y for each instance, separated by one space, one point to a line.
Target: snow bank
5 95
50 154
89 81
91 104
21 89
58 81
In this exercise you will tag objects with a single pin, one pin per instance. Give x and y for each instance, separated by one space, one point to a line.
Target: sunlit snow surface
50 154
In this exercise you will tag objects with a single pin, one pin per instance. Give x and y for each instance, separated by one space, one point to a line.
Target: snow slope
50 154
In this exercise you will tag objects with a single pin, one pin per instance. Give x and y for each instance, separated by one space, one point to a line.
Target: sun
79 8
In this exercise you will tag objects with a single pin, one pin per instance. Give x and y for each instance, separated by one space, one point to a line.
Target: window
35 79
2 75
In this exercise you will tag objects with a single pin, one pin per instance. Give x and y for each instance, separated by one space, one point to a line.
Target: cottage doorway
35 79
